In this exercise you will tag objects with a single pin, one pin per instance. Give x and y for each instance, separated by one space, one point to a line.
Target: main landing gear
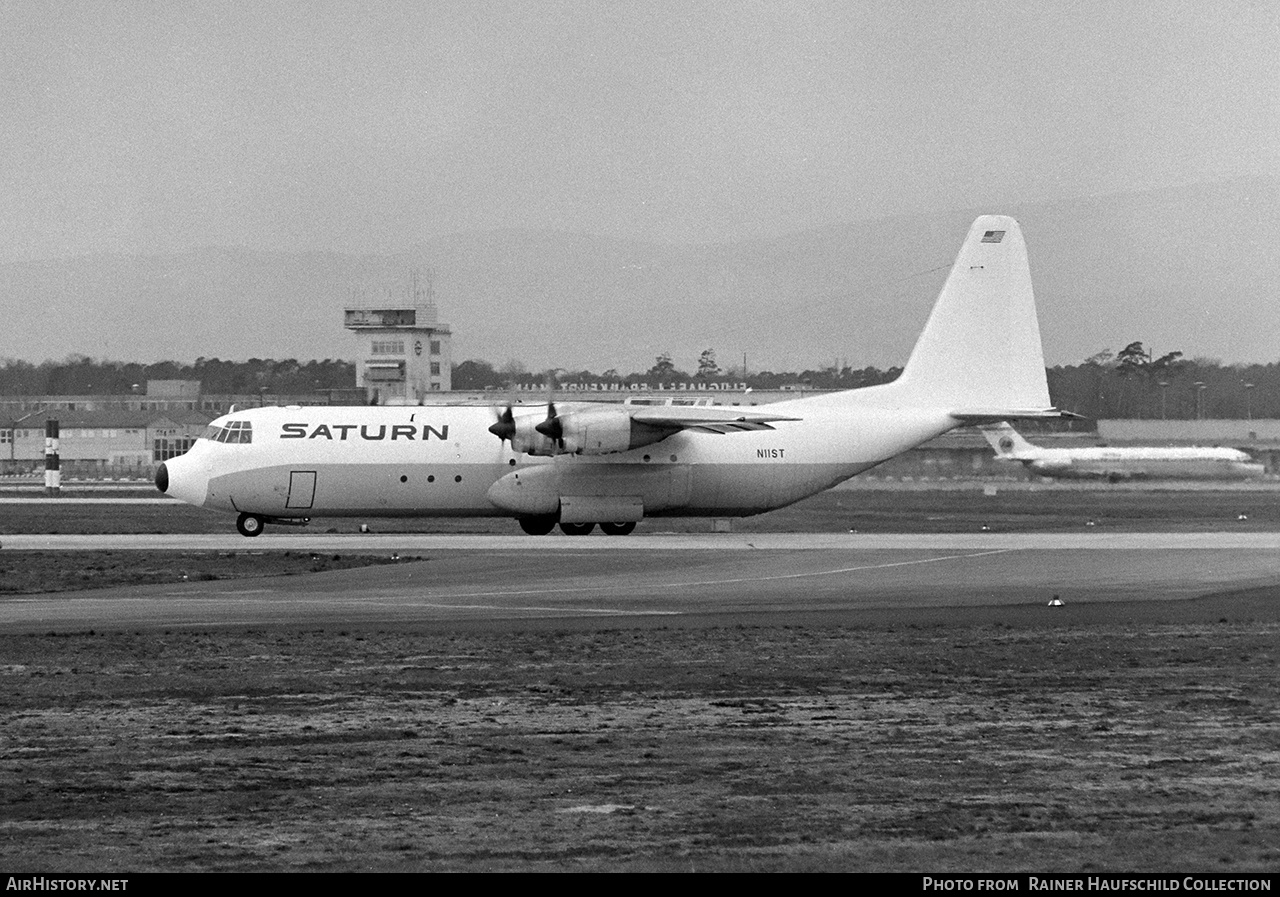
540 526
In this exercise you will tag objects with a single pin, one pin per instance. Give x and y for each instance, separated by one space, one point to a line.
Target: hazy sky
370 126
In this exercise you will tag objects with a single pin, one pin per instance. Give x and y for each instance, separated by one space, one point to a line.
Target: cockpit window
237 431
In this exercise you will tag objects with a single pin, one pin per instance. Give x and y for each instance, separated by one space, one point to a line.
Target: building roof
112 419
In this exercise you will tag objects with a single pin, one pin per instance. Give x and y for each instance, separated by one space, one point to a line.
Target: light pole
1199 385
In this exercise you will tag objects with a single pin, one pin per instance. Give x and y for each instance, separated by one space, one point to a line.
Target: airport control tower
404 351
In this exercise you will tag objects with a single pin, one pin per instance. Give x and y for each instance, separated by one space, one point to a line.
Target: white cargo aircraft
578 464
1126 463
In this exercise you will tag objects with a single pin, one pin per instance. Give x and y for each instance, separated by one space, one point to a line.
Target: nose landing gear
253 524
538 526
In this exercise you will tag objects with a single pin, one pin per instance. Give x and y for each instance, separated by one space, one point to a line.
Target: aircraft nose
184 479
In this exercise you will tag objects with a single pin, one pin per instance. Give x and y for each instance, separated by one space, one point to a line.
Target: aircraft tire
576 529
249 525
618 529
538 526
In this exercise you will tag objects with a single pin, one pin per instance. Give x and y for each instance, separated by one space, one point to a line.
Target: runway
665 542
671 580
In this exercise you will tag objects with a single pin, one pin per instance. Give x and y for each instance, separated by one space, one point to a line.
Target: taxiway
671 579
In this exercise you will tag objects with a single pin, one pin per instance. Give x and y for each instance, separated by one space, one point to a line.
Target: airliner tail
1007 441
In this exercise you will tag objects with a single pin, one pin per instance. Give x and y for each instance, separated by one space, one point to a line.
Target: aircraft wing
709 420
601 428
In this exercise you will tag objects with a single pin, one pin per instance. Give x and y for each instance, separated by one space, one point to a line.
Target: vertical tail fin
1007 441
980 349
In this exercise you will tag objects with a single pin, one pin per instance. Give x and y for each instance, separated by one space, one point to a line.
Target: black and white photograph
653 437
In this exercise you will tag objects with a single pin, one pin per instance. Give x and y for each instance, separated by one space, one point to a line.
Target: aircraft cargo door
679 485
302 489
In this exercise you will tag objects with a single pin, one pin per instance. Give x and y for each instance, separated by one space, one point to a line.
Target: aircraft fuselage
1145 464
301 462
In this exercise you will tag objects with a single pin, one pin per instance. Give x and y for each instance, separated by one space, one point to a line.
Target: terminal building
112 442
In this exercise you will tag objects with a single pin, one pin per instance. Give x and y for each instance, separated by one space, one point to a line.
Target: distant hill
1195 269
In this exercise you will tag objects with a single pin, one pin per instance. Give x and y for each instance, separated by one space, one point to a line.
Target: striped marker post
52 472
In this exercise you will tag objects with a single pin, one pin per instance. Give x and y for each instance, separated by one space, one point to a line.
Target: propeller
505 426
552 428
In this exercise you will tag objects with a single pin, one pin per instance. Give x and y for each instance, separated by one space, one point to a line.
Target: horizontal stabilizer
978 417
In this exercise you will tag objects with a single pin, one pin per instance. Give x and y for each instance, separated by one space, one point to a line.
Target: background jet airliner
978 360
1127 463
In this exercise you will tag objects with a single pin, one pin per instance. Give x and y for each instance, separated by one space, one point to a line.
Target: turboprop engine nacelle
597 431
589 431
525 438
